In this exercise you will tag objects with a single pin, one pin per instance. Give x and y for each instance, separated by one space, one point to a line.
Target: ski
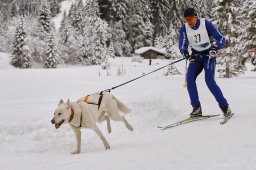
187 120
226 119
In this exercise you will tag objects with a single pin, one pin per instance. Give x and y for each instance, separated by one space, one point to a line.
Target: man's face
191 20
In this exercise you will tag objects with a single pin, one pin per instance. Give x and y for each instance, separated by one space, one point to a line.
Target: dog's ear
68 102
60 102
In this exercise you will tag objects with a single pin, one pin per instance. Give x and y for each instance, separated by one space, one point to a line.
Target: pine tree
111 50
171 44
44 16
120 10
54 7
171 70
121 45
13 10
139 27
20 55
68 43
96 34
160 10
225 17
77 20
248 40
64 26
71 14
51 58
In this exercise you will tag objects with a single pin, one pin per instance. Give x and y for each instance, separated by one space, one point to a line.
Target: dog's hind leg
77 132
127 124
108 123
105 117
103 139
114 115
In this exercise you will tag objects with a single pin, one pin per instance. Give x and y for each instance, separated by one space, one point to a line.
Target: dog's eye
59 114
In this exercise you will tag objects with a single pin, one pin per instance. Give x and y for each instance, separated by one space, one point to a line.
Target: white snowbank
29 141
5 61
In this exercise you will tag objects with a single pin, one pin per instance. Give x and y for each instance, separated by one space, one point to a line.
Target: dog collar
72 115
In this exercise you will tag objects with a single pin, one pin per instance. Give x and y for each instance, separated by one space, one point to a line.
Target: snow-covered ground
29 141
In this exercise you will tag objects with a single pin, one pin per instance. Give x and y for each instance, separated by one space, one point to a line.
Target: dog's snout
53 121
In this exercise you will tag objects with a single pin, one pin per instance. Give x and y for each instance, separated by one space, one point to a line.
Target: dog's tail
121 106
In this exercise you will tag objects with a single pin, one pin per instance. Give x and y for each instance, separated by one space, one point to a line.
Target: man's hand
186 54
213 51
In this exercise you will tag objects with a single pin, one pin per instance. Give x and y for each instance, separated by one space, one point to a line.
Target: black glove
213 51
186 54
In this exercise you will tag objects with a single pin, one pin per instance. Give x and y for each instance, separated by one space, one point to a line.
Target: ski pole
145 74
186 70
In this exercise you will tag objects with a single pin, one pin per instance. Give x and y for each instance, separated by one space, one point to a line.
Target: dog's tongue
57 126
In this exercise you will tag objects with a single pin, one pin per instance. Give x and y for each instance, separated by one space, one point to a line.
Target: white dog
85 112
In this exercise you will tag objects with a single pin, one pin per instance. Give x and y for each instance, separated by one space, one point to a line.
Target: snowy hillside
29 141
65 6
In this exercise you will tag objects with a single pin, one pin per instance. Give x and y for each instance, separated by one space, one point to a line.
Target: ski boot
226 111
196 112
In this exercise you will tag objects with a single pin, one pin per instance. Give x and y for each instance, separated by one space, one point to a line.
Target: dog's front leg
77 132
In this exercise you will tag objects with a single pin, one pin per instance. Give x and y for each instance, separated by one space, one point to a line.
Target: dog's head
61 114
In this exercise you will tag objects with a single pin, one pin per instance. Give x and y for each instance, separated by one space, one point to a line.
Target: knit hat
189 12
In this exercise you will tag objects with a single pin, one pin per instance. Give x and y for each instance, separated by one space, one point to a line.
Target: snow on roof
144 49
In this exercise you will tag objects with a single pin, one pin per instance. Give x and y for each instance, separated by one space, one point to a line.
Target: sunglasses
190 19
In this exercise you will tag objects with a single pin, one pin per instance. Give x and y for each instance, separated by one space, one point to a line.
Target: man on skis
197 32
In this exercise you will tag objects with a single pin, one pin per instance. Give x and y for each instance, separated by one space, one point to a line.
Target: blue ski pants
194 70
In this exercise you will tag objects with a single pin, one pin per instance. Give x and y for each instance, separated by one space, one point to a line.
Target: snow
4 61
29 141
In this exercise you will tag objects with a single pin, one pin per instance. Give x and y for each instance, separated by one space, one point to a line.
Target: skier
196 32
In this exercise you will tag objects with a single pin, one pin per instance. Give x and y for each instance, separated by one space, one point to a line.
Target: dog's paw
129 127
75 152
109 129
108 147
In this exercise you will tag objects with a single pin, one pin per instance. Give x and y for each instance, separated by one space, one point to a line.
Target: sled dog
89 110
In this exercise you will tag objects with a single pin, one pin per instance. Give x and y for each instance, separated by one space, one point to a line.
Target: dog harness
99 101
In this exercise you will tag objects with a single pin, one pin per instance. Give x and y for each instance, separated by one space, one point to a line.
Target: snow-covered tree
225 17
45 15
13 10
120 10
160 10
118 37
20 55
111 50
248 37
171 44
51 56
138 25
93 49
54 7
171 70
72 14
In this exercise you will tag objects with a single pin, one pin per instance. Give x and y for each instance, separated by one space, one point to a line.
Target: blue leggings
194 70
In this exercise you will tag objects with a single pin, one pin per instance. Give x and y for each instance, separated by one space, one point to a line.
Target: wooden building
150 52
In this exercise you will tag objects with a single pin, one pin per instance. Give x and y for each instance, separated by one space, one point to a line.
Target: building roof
144 49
